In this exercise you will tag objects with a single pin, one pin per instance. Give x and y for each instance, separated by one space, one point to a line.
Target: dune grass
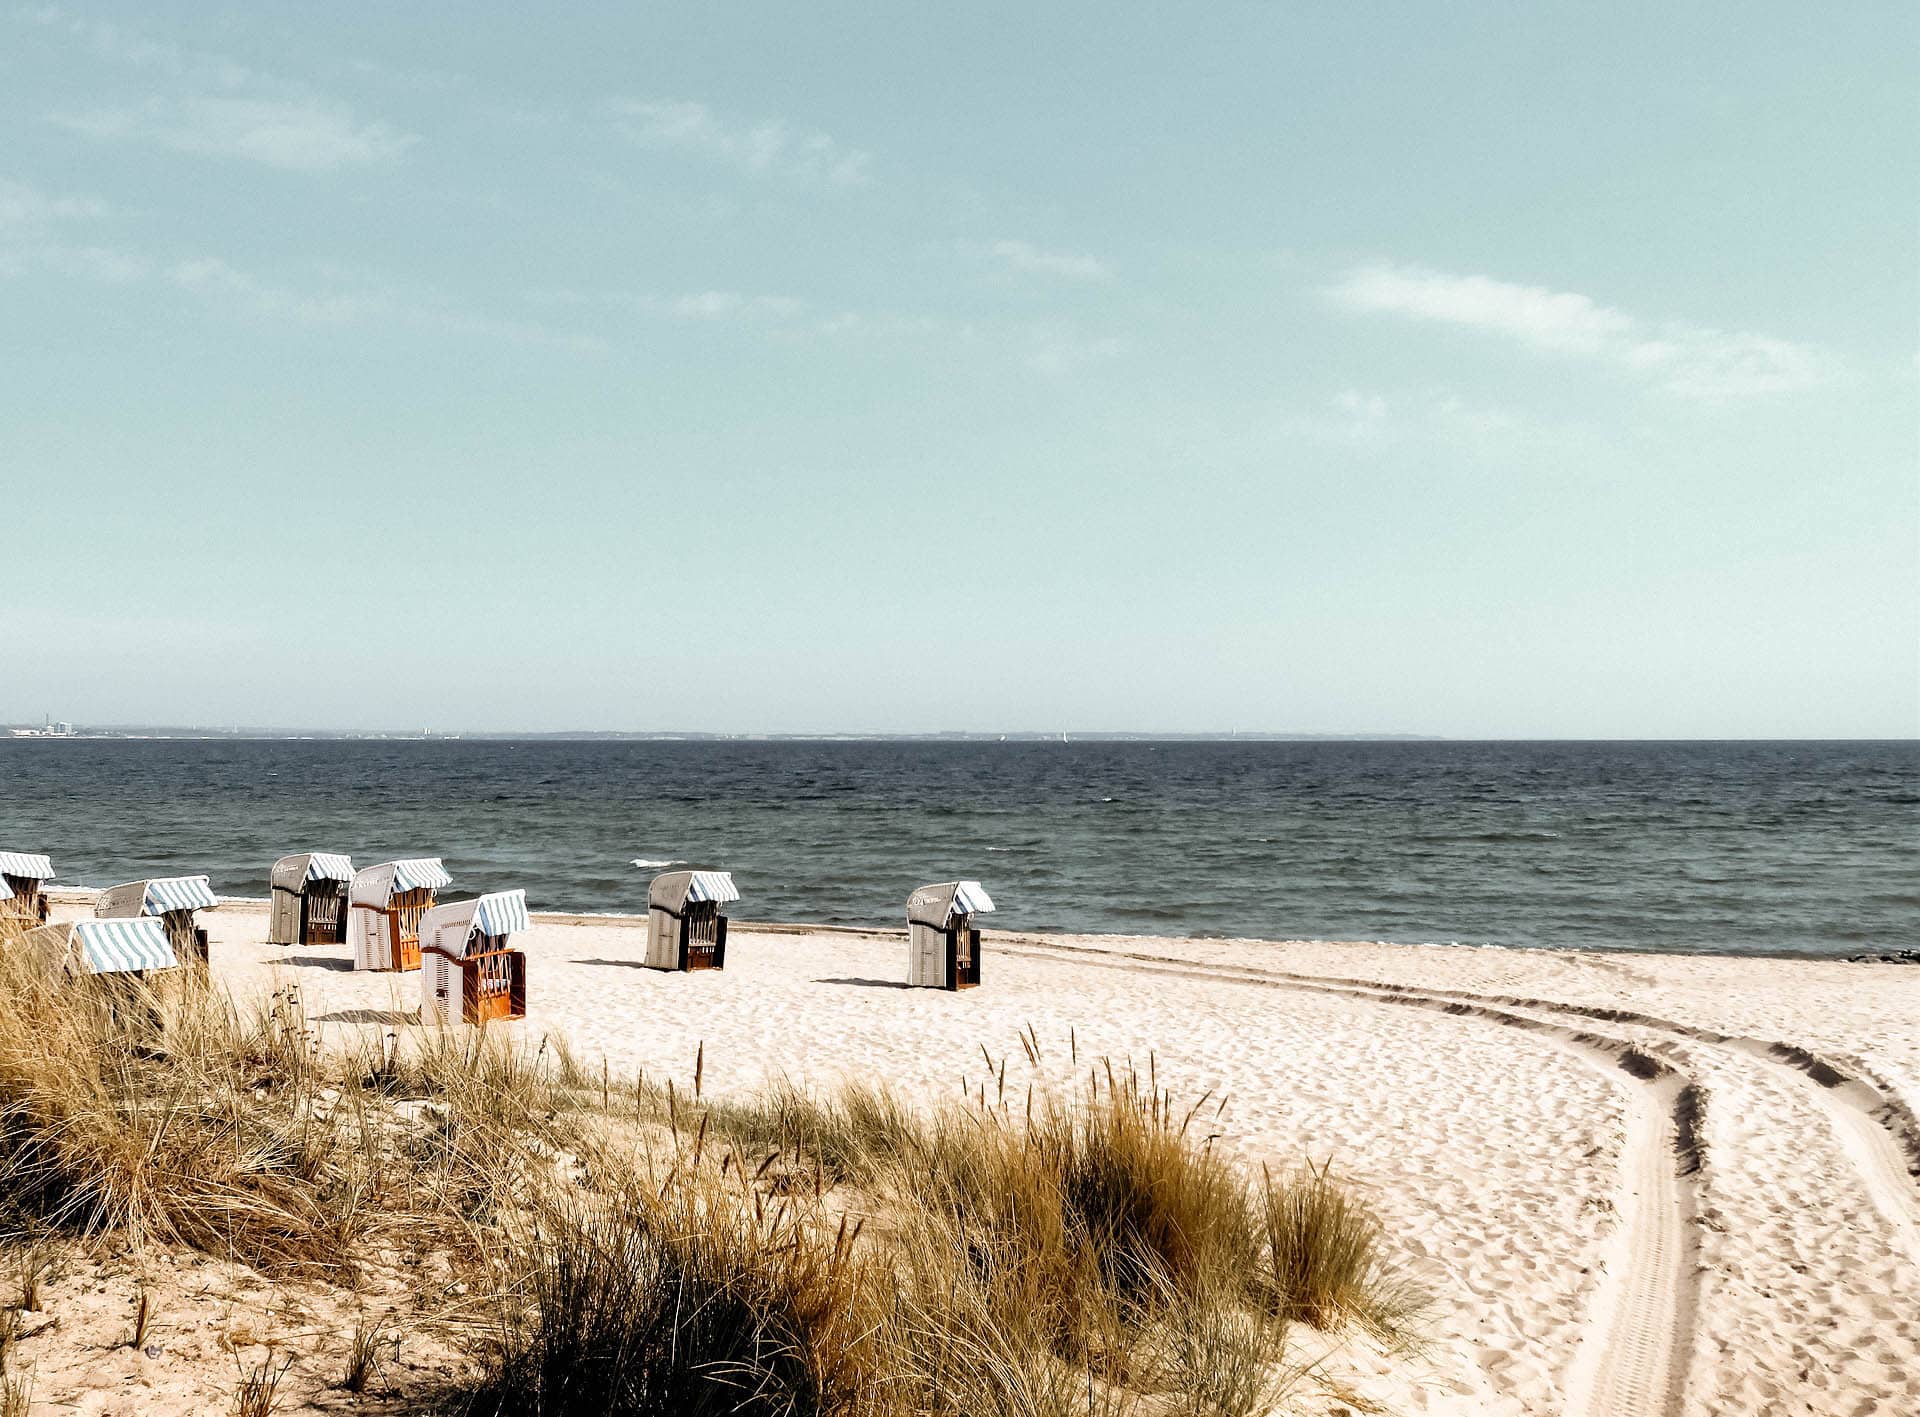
639 1248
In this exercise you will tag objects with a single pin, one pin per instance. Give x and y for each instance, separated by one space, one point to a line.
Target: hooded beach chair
384 906
468 974
23 896
173 901
685 929
133 945
309 899
943 948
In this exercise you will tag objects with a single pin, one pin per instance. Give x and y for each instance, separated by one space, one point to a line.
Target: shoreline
85 895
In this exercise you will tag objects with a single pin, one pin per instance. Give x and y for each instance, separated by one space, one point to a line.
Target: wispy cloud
337 301
24 208
1026 258
1057 350
212 277
123 45
1368 419
708 305
210 105
36 234
299 135
768 147
1694 361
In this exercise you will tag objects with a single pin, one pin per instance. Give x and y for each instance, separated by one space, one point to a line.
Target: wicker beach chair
310 899
384 907
685 929
23 896
172 900
943 948
468 973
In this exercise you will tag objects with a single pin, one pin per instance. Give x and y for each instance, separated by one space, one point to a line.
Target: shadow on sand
370 1016
866 983
318 962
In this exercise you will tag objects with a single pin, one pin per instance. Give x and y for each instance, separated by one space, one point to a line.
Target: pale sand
1586 1255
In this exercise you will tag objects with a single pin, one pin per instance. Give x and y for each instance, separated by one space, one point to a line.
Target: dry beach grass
1630 1184
579 1243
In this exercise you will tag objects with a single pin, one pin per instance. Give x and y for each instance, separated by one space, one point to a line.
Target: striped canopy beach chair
173 901
685 929
384 907
943 948
310 899
135 945
468 973
23 896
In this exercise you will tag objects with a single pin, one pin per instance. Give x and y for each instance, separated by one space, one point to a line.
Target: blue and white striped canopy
6 891
420 873
119 946
712 885
177 893
25 863
325 866
971 898
501 913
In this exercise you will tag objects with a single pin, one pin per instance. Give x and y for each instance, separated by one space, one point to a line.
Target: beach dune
1633 1184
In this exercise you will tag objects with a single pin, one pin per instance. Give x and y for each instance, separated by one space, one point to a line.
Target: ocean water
1752 847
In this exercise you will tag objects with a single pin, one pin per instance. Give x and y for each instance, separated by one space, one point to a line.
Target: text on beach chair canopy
376 885
676 890
162 895
290 873
938 905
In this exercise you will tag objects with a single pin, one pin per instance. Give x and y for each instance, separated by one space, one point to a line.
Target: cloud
766 148
731 305
1369 420
34 227
27 208
213 277
1029 259
297 135
1055 351
1692 361
340 302
210 105
709 305
121 45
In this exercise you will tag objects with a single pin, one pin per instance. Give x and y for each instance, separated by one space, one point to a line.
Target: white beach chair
468 974
943 948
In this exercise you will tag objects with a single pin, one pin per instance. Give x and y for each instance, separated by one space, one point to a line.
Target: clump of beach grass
696 1295
172 1117
1324 1259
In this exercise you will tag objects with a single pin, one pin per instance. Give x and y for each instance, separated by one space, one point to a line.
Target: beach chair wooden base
963 959
494 986
323 917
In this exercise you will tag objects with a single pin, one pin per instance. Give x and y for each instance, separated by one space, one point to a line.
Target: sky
1497 371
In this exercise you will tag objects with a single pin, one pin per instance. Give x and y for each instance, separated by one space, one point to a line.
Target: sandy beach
1634 1184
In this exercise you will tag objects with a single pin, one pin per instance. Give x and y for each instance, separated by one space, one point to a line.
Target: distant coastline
307 735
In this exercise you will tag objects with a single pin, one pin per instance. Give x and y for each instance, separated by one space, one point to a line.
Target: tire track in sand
1878 1130
1638 1343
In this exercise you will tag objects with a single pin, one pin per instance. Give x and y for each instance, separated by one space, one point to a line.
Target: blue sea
1792 847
